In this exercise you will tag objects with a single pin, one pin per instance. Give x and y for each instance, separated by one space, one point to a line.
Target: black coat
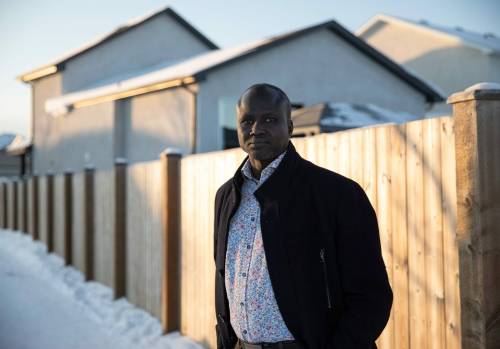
323 254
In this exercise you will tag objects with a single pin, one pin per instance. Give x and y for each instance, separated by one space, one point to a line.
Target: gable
404 43
161 40
189 33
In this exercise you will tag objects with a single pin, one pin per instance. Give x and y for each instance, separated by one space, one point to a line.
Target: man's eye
270 119
246 122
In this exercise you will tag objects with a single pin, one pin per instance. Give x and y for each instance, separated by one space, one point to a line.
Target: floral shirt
254 313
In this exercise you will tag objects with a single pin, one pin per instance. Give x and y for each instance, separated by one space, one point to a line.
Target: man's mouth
259 142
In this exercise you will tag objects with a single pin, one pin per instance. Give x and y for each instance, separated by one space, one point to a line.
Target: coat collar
278 183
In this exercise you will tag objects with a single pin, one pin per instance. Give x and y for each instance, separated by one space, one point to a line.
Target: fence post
14 205
476 113
170 212
50 212
10 205
3 205
25 203
120 226
89 222
35 211
68 217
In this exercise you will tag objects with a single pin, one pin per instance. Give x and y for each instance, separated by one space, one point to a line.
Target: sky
34 32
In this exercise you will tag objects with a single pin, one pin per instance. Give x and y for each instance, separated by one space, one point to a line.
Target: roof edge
422 27
43 70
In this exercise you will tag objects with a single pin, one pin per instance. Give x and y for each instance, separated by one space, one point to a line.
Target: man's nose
257 129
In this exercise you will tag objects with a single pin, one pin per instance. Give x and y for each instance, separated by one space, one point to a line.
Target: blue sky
33 32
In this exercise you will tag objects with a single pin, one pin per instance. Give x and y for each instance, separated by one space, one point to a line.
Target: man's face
263 127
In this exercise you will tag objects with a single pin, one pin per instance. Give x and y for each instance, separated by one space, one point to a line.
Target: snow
358 115
44 304
10 142
186 68
484 86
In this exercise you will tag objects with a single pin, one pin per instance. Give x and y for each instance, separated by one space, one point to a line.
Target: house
189 104
156 40
450 58
339 116
15 155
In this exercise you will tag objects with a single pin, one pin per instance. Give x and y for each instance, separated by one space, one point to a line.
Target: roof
13 144
58 63
195 68
347 115
487 42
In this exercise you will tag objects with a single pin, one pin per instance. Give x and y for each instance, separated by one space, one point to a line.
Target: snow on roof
19 144
120 29
188 68
487 42
350 115
484 86
358 115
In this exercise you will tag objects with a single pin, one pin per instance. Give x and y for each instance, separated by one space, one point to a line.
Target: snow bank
126 325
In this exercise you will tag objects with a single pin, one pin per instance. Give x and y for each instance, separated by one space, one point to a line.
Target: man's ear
290 127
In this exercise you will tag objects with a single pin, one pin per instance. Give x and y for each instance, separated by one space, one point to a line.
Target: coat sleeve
217 204
365 286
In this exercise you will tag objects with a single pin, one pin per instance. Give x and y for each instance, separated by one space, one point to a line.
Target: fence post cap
89 167
482 90
171 152
121 161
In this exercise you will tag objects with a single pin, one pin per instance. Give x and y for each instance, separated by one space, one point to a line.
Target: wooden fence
407 172
146 229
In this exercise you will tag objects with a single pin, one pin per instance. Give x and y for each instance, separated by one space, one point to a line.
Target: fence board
29 207
78 226
144 254
104 244
3 205
400 239
42 209
416 237
19 183
450 244
433 233
385 208
11 205
59 216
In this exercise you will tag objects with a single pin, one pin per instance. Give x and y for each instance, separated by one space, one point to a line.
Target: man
296 247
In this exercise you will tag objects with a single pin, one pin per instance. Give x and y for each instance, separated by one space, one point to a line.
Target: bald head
266 93
264 124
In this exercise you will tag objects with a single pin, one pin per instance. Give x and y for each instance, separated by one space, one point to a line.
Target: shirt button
245 332
252 219
242 304
249 247
244 274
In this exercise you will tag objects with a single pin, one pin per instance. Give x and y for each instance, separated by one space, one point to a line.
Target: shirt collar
266 172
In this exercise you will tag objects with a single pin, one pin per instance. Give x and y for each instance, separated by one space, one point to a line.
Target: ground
44 304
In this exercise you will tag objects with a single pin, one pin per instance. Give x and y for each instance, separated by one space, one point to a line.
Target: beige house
131 106
452 59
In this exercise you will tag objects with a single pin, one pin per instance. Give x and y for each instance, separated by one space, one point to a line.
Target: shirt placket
247 253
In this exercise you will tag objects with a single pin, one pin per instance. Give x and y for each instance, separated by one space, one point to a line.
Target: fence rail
146 229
